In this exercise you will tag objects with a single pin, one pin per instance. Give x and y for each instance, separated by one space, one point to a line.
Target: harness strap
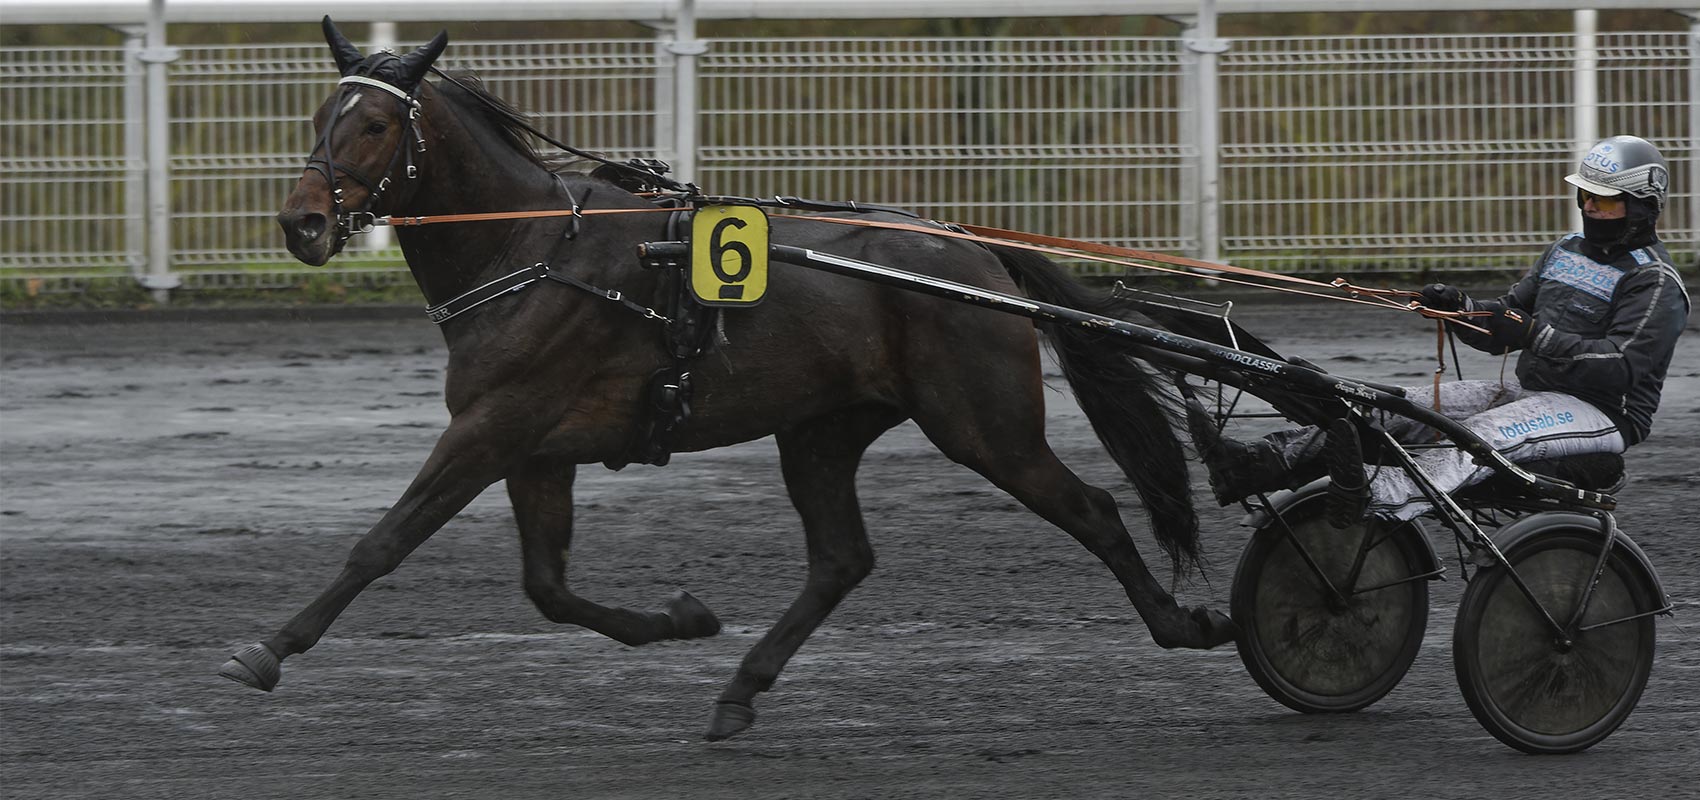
377 84
805 204
518 280
314 165
606 294
511 282
1439 359
493 216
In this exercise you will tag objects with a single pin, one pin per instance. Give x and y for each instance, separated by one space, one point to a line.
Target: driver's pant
1521 425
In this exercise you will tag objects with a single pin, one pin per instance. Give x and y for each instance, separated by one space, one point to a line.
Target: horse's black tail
1132 407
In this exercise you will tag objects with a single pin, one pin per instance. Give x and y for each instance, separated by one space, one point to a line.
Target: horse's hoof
1218 628
729 720
691 619
254 665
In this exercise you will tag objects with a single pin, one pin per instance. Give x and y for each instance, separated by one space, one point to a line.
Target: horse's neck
466 169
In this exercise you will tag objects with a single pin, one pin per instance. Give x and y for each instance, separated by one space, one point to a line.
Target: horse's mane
507 119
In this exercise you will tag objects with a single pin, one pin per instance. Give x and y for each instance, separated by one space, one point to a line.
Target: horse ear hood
344 51
414 65
404 72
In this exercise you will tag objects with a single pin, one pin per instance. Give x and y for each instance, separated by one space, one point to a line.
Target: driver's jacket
1604 331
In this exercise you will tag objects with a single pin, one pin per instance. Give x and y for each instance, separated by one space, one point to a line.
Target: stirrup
1348 487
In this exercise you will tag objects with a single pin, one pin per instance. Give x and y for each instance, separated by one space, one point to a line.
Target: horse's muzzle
309 235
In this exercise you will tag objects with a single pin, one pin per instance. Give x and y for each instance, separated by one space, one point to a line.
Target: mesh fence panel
1428 151
1076 137
1395 152
63 161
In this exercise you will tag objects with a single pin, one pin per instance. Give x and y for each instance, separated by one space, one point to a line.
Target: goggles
1608 204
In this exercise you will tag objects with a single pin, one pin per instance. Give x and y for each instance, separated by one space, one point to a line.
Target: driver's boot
1237 469
1348 488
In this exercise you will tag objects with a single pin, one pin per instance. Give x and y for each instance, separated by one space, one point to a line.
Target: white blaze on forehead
353 100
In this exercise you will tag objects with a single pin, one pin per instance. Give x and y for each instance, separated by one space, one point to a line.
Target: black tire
1310 652
1523 685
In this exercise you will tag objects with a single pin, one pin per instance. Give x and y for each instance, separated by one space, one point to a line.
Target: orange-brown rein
1071 248
1050 245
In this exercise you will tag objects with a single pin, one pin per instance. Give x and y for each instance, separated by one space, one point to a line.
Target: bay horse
544 380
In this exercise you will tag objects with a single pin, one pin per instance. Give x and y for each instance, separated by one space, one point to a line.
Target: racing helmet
1624 165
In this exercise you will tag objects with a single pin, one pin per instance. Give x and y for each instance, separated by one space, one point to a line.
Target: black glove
1444 297
1508 329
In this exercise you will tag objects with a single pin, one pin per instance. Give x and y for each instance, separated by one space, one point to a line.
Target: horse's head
368 134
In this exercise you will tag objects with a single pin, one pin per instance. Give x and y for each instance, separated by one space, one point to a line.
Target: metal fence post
135 153
1200 39
1186 131
685 49
156 56
1693 186
663 100
1585 95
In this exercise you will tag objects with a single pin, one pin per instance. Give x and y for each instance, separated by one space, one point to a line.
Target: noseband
349 223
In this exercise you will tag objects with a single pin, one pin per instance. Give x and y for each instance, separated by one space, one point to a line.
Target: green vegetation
235 287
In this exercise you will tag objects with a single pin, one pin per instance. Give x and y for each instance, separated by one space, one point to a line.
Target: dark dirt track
174 489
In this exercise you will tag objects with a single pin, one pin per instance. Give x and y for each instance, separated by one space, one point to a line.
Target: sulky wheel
1318 650
1537 690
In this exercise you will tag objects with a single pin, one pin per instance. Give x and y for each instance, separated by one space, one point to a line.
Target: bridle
348 222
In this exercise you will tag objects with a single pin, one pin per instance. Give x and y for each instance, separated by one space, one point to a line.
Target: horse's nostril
311 226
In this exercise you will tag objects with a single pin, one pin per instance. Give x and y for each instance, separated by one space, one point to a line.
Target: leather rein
651 173
1049 245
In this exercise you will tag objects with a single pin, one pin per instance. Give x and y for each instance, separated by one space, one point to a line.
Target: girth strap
687 335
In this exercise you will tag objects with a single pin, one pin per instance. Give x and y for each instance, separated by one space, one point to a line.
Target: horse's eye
377 128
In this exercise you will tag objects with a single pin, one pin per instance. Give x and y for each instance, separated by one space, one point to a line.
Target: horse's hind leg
819 461
542 493
1014 455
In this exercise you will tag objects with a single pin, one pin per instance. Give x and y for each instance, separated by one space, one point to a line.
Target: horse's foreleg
542 493
819 461
460 467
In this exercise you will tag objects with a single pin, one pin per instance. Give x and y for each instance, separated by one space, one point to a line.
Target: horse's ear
346 54
415 64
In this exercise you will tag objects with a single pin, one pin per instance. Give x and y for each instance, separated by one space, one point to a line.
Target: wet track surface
175 489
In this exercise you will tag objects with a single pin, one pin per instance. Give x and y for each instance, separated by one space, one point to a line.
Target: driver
1596 321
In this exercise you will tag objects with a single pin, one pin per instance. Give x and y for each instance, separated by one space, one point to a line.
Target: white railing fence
1335 154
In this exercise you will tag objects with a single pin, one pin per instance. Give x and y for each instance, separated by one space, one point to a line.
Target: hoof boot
729 720
255 665
691 619
1219 628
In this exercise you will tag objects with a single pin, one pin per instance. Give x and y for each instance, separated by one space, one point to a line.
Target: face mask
1604 232
1610 237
